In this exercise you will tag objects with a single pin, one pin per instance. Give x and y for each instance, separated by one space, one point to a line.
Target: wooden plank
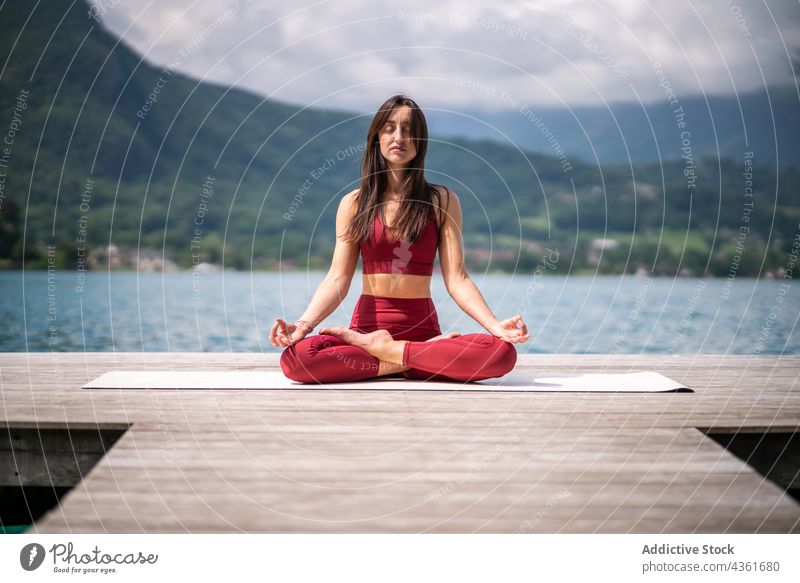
361 461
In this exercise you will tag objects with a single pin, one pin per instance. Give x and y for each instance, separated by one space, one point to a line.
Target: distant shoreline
577 273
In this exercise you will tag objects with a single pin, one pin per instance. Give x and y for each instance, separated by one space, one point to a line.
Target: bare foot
364 341
379 344
440 336
387 368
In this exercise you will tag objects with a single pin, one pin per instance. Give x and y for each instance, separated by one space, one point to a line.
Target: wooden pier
327 460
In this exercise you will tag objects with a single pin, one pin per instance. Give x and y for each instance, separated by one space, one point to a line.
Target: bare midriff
396 285
404 285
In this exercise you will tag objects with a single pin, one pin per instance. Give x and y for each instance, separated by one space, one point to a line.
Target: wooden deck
410 461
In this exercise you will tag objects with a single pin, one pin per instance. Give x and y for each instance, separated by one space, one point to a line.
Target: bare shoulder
447 198
447 194
350 197
348 202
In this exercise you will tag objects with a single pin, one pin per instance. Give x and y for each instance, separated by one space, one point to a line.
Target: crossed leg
470 357
326 358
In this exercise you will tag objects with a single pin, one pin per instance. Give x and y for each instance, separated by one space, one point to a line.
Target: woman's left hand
511 330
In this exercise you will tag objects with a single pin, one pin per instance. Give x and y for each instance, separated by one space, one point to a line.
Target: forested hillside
104 149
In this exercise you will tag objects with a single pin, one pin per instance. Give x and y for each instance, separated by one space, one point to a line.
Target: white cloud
540 52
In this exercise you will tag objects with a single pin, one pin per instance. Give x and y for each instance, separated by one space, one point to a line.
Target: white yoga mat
633 382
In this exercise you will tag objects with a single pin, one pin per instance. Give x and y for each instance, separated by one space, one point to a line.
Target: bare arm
333 289
460 285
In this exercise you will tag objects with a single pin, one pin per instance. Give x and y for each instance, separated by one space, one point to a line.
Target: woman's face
397 145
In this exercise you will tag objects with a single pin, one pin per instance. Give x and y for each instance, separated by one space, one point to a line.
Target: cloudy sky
352 54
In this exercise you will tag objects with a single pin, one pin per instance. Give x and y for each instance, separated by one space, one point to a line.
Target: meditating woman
397 221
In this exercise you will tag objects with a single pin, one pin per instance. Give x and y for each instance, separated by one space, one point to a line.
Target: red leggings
328 359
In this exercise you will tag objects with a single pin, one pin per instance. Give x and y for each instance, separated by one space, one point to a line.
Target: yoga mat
633 382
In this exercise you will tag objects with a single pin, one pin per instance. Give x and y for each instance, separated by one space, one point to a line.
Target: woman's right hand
285 333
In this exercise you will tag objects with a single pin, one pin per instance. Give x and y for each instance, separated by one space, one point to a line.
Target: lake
233 311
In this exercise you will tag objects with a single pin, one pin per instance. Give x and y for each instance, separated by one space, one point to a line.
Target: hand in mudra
285 333
511 330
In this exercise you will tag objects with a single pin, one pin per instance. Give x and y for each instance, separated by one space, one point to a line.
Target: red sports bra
379 255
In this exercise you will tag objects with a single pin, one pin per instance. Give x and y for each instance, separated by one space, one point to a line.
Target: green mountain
106 148
91 125
764 122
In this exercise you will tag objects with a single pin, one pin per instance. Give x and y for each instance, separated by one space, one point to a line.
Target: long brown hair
416 193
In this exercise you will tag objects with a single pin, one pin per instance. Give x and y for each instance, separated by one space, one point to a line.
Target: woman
397 221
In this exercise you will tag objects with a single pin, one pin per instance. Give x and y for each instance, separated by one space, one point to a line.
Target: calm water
233 311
